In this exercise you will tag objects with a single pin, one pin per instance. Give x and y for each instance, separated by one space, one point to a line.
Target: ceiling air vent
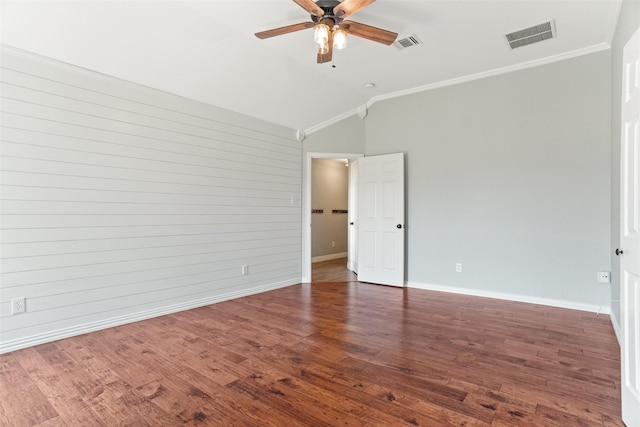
531 35
407 42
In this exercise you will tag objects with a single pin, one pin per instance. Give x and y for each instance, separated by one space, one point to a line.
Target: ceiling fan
330 27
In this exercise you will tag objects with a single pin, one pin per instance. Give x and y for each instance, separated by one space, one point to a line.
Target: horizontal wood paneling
80 233
16 265
122 202
106 277
54 247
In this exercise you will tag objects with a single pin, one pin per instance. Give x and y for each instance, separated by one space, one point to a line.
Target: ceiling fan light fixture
321 34
340 39
330 28
324 49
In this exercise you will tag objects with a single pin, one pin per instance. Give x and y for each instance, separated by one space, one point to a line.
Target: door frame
352 220
306 207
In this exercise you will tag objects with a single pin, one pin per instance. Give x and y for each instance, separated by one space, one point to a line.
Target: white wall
329 190
345 136
509 175
628 22
120 202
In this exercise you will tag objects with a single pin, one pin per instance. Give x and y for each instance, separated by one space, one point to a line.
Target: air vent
535 34
407 42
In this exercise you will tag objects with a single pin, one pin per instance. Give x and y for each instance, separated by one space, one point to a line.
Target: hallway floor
334 270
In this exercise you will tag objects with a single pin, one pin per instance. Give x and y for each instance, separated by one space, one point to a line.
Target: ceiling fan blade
326 57
310 7
322 58
284 30
370 33
349 7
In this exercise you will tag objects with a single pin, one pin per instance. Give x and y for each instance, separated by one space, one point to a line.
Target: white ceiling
206 50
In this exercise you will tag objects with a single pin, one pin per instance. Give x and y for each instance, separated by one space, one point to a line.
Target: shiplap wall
120 202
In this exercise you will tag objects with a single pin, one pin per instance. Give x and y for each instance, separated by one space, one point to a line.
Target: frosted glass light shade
324 49
340 39
321 34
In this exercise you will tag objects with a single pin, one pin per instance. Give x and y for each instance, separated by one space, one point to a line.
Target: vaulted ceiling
206 50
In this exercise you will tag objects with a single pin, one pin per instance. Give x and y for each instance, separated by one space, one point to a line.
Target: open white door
352 260
381 219
629 250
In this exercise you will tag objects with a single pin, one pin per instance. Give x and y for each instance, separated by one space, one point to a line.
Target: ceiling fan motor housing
329 17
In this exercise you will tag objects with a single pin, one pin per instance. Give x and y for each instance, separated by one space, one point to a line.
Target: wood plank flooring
327 354
334 270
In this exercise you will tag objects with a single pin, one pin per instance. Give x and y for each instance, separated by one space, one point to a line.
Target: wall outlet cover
18 305
604 277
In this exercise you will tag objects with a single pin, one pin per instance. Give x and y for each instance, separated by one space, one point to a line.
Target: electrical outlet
604 277
245 270
459 267
18 305
333 243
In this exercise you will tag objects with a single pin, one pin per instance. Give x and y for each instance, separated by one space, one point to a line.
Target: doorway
307 238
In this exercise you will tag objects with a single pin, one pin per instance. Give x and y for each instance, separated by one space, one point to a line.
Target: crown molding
495 72
332 121
468 78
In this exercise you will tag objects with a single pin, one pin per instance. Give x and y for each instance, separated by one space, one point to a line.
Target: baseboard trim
20 343
551 302
328 257
616 327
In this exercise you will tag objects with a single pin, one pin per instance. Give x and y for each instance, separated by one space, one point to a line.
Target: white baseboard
20 343
604 309
616 327
328 257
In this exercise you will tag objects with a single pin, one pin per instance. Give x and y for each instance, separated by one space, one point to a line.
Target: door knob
399 226
619 252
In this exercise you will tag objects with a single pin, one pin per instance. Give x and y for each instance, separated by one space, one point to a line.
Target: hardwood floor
334 270
327 354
